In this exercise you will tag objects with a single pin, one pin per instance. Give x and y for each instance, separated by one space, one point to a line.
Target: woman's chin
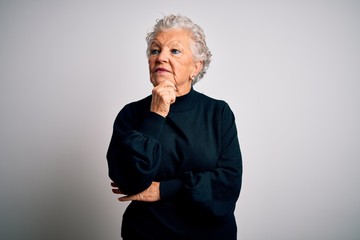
157 80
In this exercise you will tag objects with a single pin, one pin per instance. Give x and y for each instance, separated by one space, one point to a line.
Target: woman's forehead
172 37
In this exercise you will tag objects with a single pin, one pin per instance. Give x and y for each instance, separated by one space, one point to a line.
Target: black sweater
194 153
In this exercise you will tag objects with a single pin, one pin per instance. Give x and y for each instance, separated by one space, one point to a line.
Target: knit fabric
195 155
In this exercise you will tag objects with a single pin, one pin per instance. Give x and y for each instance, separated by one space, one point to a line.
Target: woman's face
171 59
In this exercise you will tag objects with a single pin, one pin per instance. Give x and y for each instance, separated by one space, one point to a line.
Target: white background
290 71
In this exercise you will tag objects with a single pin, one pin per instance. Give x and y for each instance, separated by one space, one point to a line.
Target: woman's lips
162 70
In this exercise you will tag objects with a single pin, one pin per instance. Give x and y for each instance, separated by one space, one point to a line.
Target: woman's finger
128 198
117 191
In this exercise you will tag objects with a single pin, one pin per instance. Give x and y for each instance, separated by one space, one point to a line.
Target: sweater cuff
152 125
170 189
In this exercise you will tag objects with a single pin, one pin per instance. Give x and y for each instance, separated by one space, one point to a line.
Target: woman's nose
163 56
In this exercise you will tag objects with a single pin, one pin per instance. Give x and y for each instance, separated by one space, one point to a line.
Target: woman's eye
175 51
154 51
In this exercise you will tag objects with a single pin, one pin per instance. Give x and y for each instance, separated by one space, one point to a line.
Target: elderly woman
175 154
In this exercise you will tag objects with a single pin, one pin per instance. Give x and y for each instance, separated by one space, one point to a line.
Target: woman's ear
197 68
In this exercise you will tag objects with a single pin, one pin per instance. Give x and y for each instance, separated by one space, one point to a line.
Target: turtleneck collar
184 102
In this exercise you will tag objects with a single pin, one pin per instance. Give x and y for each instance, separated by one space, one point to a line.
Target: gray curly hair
198 46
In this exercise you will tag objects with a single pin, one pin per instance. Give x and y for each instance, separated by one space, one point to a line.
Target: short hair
198 46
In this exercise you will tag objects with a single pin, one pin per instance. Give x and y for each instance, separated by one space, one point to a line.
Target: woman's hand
163 95
151 194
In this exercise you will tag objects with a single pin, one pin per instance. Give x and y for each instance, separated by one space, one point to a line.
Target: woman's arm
213 192
134 151
134 155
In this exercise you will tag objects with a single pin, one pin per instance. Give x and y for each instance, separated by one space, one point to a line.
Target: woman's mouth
162 70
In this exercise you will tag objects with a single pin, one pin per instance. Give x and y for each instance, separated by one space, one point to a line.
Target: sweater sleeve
134 152
214 193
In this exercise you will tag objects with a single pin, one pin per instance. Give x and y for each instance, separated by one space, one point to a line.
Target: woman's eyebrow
155 43
172 44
